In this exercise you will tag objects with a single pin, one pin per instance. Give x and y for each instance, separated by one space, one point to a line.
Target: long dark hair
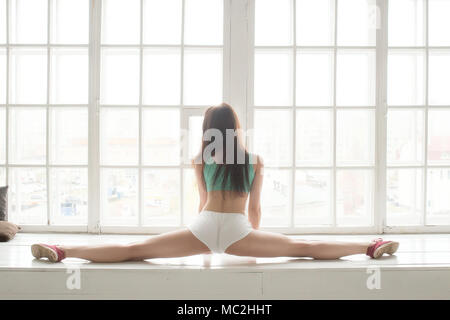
223 118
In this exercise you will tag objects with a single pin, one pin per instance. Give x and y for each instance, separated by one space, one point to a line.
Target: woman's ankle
63 249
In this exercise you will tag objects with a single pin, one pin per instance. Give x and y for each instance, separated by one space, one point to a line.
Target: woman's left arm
201 186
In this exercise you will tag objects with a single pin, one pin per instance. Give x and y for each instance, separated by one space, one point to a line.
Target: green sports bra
209 170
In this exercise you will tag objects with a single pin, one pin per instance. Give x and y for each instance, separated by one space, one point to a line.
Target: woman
227 176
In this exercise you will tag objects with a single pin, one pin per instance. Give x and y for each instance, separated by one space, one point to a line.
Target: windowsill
415 250
287 278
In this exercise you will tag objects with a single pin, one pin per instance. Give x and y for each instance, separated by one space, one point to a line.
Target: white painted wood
381 116
238 57
419 270
95 11
133 284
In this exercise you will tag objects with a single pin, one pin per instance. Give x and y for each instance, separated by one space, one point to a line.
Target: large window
418 128
44 110
160 60
101 106
314 103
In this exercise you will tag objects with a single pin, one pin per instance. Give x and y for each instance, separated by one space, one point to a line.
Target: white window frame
291 229
47 106
380 167
185 112
238 58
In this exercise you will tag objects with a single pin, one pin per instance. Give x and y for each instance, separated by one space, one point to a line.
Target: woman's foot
379 247
52 253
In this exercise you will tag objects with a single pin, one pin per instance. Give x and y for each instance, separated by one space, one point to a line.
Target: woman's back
220 195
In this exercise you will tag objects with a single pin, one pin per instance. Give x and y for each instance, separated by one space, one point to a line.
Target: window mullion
7 96
94 115
140 179
237 57
250 45
381 116
294 113
334 125
47 129
184 121
425 140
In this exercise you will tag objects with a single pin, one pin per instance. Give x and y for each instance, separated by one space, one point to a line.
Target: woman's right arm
203 195
254 204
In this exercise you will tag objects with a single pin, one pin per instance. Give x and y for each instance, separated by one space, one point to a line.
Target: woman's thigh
265 244
170 244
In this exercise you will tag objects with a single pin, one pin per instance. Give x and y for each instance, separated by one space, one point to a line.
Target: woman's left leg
269 244
167 245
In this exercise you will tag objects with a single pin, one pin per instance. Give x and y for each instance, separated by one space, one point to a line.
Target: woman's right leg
178 243
268 244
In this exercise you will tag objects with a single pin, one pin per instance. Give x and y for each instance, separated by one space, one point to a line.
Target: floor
424 255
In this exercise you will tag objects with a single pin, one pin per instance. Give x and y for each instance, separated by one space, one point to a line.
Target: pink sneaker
52 253
380 247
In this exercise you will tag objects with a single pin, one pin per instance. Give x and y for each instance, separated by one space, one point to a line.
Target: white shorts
218 230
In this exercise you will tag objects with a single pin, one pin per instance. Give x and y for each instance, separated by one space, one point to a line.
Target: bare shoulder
196 162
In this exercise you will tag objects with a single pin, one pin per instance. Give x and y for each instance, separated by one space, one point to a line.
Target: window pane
406 22
439 136
355 139
191 200
357 22
28 196
404 197
69 76
202 76
28 21
405 135
275 198
438 202
69 136
280 28
119 197
161 197
119 136
162 15
120 21
355 78
439 77
195 135
27 140
273 134
2 76
312 197
273 78
203 21
161 136
28 76
354 197
2 21
70 21
314 78
438 22
119 83
69 196
314 134
2 135
406 77
161 76
315 22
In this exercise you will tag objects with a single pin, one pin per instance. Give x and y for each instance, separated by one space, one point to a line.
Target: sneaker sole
40 251
389 248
